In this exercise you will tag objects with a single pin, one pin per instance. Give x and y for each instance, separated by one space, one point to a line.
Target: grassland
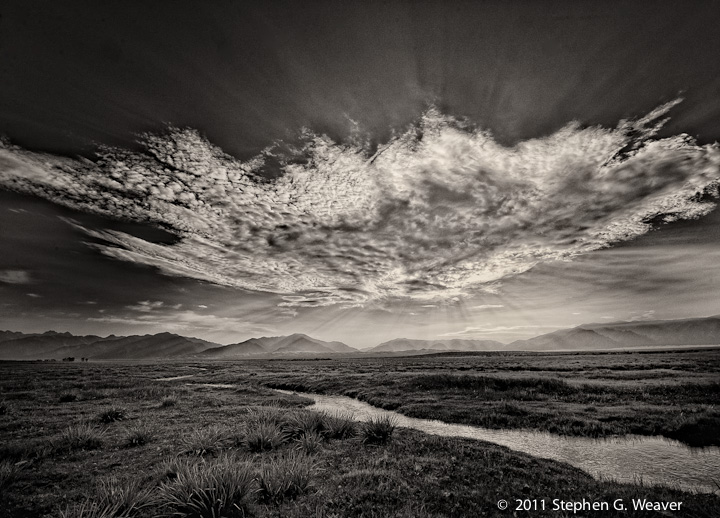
187 439
673 394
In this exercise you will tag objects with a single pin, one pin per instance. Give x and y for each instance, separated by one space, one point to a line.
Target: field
197 438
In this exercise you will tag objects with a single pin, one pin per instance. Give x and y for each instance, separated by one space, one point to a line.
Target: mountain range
455 344
293 344
646 333
599 336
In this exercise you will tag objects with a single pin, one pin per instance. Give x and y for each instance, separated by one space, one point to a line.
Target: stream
652 460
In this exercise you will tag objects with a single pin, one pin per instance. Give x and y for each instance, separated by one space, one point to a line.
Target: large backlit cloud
439 212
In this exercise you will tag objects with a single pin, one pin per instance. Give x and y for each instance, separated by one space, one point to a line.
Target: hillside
456 344
251 347
691 331
281 345
52 345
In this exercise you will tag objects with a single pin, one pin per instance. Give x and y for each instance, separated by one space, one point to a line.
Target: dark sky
246 73
78 74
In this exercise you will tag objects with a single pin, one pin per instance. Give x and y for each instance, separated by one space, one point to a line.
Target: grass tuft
303 422
8 470
169 401
112 415
285 478
83 436
139 434
67 397
203 441
218 488
264 436
310 443
89 509
127 497
340 425
378 430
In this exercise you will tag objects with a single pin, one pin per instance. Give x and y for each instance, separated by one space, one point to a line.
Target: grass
203 441
285 478
378 430
217 488
339 425
196 461
169 401
264 436
112 415
645 402
126 497
310 442
82 436
67 397
7 473
139 434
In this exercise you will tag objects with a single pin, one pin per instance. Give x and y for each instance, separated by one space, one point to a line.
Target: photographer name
637 504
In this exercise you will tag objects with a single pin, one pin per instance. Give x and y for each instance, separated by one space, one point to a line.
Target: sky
357 171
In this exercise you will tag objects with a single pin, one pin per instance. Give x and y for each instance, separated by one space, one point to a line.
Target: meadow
201 439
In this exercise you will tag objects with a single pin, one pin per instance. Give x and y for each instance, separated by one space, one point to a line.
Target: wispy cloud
14 276
146 306
488 306
440 212
479 331
185 321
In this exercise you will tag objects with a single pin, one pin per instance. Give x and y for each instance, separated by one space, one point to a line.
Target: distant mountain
21 346
245 349
161 345
52 345
455 344
648 333
281 345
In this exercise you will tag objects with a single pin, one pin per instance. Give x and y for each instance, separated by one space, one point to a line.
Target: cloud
33 295
440 212
487 329
646 315
145 306
186 321
14 277
488 306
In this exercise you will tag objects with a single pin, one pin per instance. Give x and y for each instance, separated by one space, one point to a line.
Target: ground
80 438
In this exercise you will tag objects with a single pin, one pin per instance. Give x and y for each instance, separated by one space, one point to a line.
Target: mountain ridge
16 345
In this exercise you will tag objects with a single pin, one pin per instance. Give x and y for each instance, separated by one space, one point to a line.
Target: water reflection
633 458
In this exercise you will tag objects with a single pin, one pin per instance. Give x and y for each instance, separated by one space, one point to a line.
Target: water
653 460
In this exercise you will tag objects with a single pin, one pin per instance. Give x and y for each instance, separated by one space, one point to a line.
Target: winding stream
653 460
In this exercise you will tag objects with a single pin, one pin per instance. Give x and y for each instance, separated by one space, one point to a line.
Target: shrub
203 441
112 414
378 430
340 425
219 488
83 436
285 478
68 397
139 434
4 409
263 436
